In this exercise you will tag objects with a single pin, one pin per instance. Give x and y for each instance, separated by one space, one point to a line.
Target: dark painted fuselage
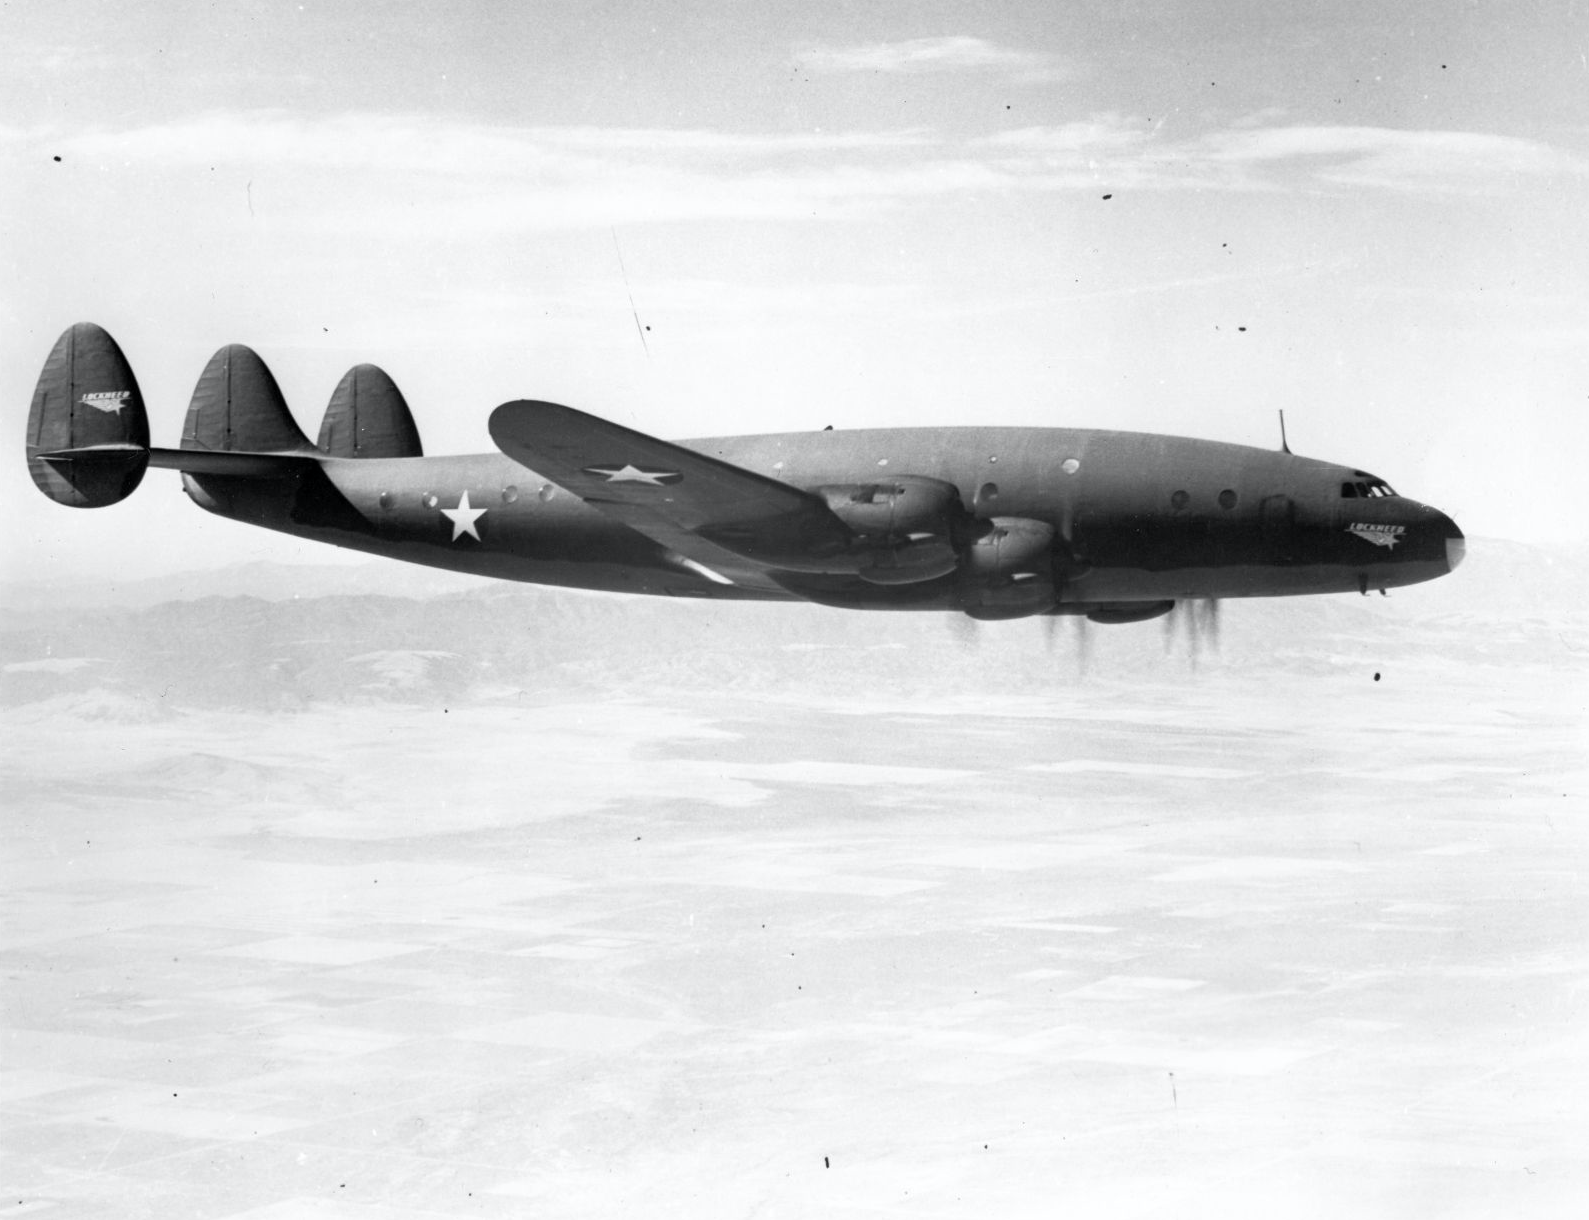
1137 517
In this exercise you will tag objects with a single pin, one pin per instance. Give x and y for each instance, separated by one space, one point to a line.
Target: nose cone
1438 534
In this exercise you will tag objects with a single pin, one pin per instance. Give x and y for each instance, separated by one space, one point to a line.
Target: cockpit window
1366 487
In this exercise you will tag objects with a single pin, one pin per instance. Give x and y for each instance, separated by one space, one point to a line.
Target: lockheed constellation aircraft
993 522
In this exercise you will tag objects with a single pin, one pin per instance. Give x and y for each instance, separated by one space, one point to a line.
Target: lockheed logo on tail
1380 535
109 401
634 474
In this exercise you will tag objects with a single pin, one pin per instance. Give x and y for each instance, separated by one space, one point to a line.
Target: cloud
1110 149
1396 160
950 53
368 141
381 176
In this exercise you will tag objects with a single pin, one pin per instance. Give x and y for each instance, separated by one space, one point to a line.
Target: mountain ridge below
282 636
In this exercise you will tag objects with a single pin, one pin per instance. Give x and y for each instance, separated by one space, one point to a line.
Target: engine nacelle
905 527
909 563
1009 570
894 509
1129 612
1021 597
1013 545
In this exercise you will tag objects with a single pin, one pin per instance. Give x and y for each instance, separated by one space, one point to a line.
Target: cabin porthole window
882 461
386 500
429 499
1227 498
986 495
510 493
1179 500
1070 465
546 492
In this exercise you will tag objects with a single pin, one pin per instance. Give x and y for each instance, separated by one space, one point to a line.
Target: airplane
991 522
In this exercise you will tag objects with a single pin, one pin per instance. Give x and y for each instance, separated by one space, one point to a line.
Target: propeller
1079 630
964 629
1206 613
1197 618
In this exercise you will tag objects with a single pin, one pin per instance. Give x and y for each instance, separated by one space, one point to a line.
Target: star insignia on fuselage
463 518
628 473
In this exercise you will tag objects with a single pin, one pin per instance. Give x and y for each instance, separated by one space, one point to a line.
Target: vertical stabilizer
88 434
238 405
369 418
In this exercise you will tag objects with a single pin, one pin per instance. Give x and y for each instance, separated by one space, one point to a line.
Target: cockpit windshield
1364 486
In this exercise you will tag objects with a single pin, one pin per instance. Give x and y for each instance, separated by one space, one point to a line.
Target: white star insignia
463 518
628 473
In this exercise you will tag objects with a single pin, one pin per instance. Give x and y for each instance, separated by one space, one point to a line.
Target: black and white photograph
964 609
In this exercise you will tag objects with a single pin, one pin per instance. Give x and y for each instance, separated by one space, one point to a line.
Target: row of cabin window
1180 499
988 492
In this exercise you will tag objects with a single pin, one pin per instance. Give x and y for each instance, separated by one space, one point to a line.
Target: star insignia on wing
628 473
463 518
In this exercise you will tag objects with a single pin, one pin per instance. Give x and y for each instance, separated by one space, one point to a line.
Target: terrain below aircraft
993 522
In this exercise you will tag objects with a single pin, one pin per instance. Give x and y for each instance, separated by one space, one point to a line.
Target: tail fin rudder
237 405
88 433
369 418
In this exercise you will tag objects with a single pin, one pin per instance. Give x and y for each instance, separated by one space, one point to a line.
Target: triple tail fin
88 433
369 418
237 406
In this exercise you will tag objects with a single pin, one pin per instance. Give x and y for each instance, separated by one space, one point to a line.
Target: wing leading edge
693 504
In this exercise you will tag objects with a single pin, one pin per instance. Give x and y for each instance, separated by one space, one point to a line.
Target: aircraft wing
694 504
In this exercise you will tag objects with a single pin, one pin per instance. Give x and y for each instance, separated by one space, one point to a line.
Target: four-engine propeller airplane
995 522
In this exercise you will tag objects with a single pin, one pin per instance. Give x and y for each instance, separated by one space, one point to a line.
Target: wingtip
512 420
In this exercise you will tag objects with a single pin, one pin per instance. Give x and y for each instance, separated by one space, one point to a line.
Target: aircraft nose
1456 544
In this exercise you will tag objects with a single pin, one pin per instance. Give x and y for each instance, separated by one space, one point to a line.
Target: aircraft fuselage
1138 517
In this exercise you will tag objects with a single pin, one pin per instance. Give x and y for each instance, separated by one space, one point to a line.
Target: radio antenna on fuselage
1284 448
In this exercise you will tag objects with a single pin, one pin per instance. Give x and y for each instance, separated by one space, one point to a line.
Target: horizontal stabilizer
233 462
109 458
87 401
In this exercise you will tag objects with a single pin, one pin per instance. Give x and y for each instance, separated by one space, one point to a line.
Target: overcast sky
1165 216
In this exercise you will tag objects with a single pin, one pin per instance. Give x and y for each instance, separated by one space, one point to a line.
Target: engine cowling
1014 545
909 563
892 510
1009 570
1018 599
904 526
